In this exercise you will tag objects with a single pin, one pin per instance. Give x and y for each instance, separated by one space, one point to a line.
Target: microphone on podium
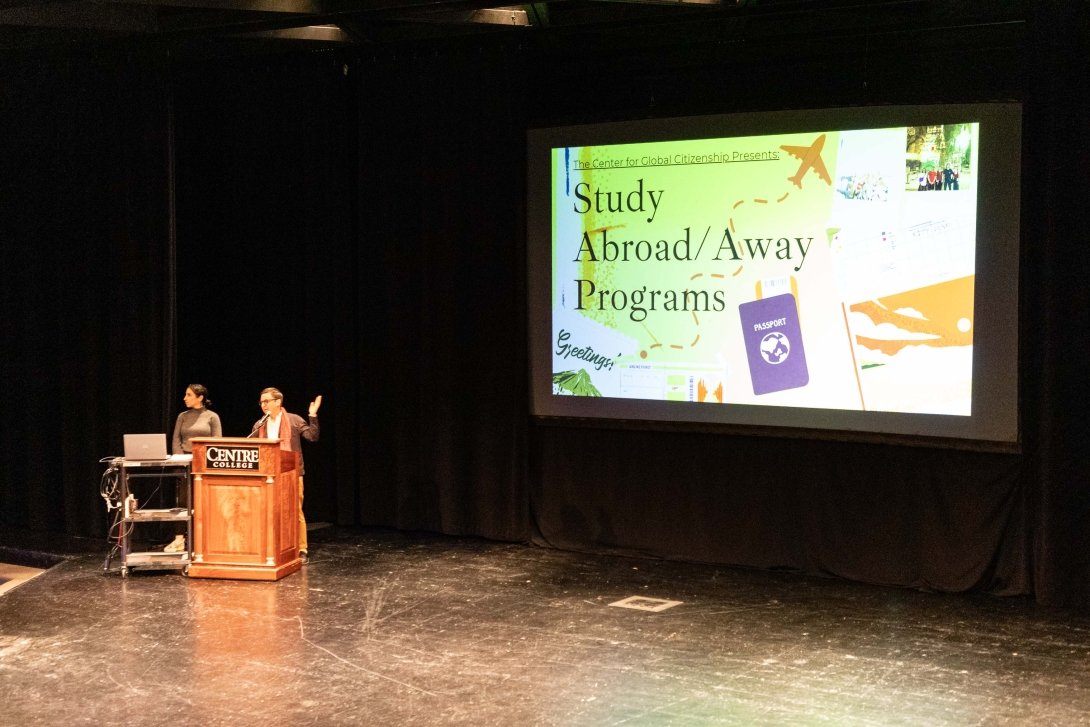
257 426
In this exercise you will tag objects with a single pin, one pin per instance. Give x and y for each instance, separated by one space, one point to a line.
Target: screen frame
995 418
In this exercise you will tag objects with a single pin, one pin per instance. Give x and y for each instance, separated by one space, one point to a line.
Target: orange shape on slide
702 391
942 305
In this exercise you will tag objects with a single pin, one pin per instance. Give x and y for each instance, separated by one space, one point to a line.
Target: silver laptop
145 446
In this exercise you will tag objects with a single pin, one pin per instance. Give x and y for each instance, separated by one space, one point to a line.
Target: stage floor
390 628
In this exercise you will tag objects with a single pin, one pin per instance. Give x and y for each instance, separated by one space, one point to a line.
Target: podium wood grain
245 521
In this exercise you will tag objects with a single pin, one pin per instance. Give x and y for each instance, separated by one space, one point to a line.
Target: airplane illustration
811 159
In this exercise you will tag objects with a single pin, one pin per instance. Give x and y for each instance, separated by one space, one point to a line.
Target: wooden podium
245 509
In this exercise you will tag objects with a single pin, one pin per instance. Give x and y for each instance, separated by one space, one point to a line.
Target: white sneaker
176 546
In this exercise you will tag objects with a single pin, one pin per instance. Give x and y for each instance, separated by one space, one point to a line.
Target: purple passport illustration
777 360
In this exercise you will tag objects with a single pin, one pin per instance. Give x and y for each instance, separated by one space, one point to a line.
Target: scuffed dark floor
389 628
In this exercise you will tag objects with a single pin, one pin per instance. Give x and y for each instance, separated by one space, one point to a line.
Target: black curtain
443 375
375 264
927 518
267 278
87 326
1055 300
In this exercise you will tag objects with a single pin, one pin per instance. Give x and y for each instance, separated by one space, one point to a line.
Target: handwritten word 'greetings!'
566 350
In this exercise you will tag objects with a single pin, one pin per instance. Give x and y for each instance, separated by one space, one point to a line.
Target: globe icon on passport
775 348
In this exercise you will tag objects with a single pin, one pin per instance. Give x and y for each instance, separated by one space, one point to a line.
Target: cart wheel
124 571
185 570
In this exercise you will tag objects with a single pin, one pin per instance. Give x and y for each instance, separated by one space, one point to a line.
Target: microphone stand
258 426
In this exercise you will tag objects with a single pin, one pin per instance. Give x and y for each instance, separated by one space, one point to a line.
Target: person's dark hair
273 392
201 391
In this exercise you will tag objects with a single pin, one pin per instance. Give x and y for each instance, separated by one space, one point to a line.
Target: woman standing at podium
196 421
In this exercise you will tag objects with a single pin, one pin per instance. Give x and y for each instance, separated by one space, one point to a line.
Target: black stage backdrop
87 299
351 224
267 279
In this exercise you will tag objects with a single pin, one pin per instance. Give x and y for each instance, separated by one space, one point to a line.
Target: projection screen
845 270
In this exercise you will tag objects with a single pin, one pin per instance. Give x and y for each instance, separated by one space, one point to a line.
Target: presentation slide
836 268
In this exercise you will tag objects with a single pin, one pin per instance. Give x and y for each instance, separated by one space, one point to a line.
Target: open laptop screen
145 446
